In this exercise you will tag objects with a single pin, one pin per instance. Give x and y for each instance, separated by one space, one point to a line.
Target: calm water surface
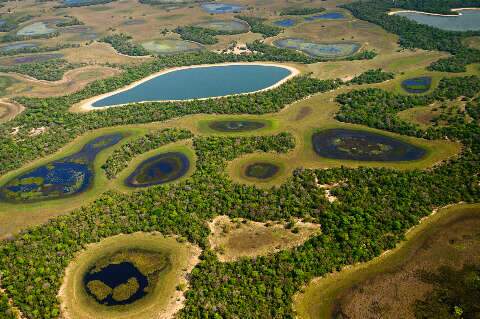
469 20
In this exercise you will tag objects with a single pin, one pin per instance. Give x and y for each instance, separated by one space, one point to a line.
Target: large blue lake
468 20
203 82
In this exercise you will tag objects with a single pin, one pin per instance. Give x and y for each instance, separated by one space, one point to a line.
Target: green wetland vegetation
67 263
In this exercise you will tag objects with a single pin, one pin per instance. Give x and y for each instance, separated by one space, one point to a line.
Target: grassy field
320 297
165 299
234 239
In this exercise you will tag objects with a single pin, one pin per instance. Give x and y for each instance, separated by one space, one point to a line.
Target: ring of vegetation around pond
417 85
326 16
36 29
322 50
126 276
67 176
159 169
360 145
31 58
171 46
286 23
230 26
261 170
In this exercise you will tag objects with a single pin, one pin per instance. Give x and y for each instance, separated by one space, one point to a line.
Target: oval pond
358 145
261 170
417 85
322 50
236 125
200 82
467 20
159 169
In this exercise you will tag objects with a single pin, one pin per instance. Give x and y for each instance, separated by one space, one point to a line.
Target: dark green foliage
372 76
121 157
40 49
415 35
197 34
72 21
456 294
51 70
473 108
257 25
294 11
12 21
123 44
6 311
201 35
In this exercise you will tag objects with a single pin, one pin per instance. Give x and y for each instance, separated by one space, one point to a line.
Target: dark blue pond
159 169
326 16
417 85
65 177
235 125
215 7
202 82
363 146
285 23
261 170
113 276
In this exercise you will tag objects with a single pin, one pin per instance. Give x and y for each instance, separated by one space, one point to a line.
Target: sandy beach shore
87 105
435 14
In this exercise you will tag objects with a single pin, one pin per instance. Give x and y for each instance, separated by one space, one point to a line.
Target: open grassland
72 81
164 299
473 42
234 239
388 285
184 147
8 110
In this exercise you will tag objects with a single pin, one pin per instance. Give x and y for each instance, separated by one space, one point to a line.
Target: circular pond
228 26
236 125
64 177
261 170
417 85
216 7
321 50
125 277
159 169
171 46
359 145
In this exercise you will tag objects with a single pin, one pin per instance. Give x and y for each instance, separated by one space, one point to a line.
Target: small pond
363 146
36 28
79 3
171 46
285 23
68 176
18 46
215 7
33 58
200 82
230 26
326 16
261 170
417 85
467 20
236 125
116 284
159 169
321 50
